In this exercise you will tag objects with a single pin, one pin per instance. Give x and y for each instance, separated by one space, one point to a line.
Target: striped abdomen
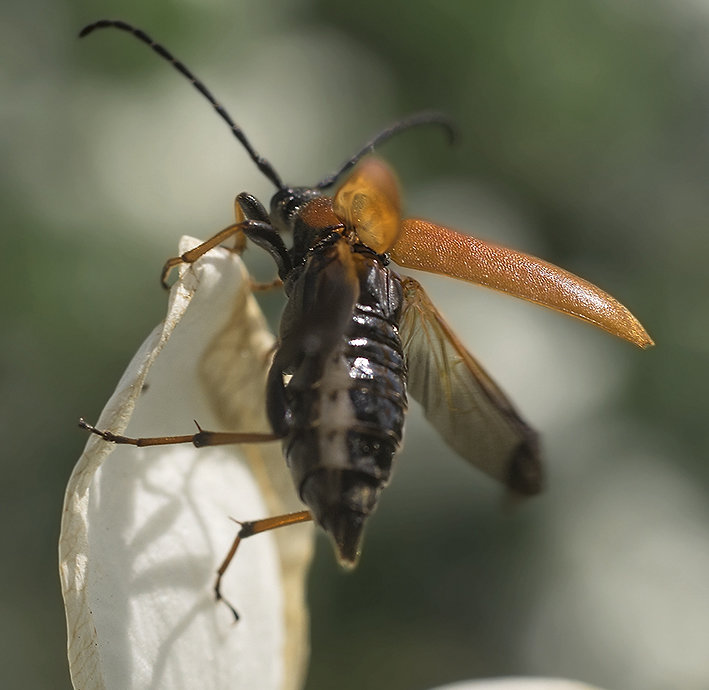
346 426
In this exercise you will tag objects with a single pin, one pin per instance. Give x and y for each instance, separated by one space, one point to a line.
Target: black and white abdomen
345 426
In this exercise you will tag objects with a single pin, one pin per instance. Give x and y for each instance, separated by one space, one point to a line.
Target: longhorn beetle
355 337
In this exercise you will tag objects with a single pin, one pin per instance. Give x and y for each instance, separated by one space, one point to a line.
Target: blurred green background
584 139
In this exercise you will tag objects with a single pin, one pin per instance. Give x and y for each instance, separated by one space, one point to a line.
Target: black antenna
417 120
263 165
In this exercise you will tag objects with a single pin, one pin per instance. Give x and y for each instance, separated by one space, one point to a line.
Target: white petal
143 530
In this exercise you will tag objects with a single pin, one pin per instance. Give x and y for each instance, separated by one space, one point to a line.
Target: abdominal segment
346 427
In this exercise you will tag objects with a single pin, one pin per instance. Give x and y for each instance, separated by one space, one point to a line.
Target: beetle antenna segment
263 165
417 120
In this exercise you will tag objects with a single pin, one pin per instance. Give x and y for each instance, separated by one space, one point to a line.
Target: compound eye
368 203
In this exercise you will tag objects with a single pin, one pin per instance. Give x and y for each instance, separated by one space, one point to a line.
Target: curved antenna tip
100 24
87 30
437 118
425 118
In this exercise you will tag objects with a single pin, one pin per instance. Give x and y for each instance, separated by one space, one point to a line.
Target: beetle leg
248 529
259 232
192 255
265 236
248 206
263 287
200 439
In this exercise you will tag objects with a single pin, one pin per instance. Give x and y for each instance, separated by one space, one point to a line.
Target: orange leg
248 529
200 439
192 255
263 287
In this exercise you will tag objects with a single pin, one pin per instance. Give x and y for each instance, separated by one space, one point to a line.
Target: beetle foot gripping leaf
143 530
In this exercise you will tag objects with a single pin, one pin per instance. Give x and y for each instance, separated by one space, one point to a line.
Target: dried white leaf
143 530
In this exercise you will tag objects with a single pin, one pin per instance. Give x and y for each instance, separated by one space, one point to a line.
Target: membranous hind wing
470 412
